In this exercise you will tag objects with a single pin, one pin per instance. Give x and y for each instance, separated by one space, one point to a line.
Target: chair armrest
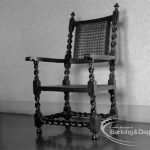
44 59
99 57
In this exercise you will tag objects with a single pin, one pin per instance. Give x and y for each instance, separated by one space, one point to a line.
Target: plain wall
40 28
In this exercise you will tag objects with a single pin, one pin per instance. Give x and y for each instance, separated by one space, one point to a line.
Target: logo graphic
125 133
118 130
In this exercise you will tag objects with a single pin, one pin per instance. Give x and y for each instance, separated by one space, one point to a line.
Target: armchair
94 42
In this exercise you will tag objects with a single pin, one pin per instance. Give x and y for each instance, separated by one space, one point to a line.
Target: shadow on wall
124 66
123 71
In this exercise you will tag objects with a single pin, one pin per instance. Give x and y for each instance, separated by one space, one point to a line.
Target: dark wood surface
107 18
97 58
75 88
32 58
17 132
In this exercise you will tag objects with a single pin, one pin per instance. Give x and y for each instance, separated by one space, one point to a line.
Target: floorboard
17 132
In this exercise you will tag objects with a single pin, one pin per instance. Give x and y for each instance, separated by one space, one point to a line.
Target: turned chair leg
36 91
113 109
67 108
94 124
67 65
39 131
38 123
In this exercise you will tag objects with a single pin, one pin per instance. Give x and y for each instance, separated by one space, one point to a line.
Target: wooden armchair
95 42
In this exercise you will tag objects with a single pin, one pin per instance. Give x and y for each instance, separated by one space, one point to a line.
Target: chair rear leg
113 110
94 124
67 108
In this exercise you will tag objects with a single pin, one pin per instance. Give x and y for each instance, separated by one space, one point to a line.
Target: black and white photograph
74 75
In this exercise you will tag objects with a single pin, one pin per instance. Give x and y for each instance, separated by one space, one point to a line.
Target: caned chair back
92 37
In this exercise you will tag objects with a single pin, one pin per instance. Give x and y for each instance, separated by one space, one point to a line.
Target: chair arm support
99 57
44 59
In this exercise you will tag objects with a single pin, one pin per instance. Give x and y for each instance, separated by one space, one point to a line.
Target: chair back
92 37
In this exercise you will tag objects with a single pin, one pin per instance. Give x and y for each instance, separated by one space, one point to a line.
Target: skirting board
133 113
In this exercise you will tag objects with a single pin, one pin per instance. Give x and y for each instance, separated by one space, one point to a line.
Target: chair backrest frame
92 37
111 34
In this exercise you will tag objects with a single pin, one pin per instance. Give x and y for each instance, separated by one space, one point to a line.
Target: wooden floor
17 132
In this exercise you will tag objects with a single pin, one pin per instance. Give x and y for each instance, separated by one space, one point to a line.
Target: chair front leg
36 91
66 81
94 123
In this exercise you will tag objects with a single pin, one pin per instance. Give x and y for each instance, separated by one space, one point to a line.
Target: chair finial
116 6
72 14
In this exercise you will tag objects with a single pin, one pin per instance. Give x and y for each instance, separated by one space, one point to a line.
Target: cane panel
92 38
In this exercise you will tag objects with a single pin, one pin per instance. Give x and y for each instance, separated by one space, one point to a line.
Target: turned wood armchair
94 42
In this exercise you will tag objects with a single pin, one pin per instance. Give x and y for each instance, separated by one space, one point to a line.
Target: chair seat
97 58
75 88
